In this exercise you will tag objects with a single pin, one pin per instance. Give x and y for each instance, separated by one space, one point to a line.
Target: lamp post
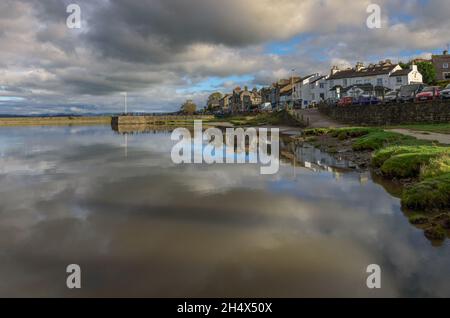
125 94
292 87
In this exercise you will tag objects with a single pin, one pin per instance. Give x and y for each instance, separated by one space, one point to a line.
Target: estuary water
139 225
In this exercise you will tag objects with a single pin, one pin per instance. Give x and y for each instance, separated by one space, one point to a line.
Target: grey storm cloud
159 49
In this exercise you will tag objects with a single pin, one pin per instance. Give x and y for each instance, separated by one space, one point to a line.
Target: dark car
408 92
367 100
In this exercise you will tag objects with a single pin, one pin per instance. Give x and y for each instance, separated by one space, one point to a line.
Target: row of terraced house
301 92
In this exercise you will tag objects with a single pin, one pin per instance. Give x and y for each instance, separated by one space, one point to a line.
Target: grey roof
318 79
367 71
401 72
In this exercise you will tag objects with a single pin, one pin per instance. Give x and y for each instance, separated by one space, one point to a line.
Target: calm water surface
140 226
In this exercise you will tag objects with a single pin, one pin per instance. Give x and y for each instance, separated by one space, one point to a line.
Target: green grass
406 165
378 139
430 193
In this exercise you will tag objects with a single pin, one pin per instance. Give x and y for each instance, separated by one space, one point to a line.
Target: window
380 82
445 65
446 75
322 96
358 82
322 85
345 82
399 80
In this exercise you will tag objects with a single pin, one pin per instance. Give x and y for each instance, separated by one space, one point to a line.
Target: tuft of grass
316 131
436 232
352 132
437 166
418 219
407 165
430 193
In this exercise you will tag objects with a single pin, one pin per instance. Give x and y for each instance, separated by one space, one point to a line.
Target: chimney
359 66
334 70
388 62
413 67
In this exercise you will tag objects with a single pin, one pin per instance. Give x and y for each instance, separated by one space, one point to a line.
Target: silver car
391 97
445 93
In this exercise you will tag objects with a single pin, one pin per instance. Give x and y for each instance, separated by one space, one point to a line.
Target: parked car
391 97
408 92
428 93
366 99
331 101
266 107
445 93
345 101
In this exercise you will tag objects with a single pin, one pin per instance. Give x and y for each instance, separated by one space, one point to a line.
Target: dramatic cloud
164 51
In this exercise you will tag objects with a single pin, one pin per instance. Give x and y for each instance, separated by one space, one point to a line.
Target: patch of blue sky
11 99
215 83
286 47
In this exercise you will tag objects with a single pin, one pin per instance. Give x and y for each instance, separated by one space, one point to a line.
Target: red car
345 101
428 93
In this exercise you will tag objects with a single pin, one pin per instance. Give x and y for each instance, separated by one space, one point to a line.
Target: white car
445 93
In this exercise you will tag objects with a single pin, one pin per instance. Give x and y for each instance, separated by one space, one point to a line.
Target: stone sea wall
390 114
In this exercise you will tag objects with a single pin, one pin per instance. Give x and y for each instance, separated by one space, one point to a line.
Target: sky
162 52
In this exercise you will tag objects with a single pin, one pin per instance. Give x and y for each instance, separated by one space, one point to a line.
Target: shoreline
54 121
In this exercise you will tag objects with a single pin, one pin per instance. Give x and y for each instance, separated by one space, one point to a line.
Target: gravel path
441 138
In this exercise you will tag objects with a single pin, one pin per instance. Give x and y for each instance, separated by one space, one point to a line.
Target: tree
428 72
188 107
214 100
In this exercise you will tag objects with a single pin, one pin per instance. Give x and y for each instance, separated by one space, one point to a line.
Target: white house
305 88
382 77
319 89
405 77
